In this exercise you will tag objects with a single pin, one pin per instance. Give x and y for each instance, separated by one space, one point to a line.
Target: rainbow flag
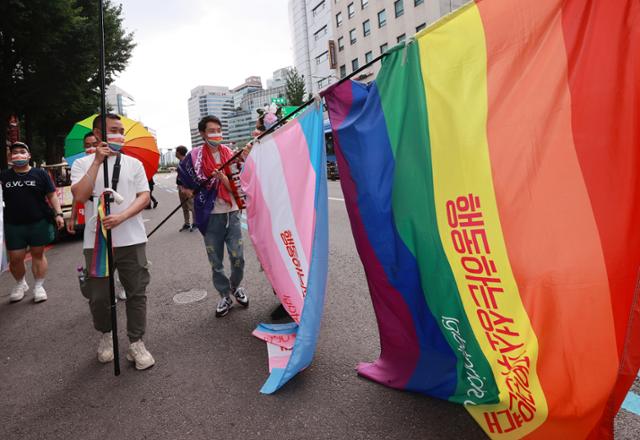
99 260
492 178
285 182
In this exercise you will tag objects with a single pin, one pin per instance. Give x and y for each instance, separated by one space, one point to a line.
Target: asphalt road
206 382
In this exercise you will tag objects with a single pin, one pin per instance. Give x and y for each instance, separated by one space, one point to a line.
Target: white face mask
115 141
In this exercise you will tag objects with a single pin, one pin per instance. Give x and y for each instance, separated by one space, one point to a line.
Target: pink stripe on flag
284 341
278 362
261 233
278 357
301 180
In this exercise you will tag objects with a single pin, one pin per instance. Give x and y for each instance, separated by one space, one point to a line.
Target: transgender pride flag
285 181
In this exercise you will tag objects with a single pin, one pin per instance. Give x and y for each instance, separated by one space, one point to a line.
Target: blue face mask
20 162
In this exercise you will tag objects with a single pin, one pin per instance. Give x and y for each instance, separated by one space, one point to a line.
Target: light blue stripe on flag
632 403
312 127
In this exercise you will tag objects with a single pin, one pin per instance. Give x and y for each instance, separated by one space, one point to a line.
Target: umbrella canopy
138 143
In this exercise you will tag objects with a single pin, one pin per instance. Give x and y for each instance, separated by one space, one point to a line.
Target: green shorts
19 237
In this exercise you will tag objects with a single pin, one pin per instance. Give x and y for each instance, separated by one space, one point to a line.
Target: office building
121 102
209 100
279 78
250 85
312 31
243 120
367 28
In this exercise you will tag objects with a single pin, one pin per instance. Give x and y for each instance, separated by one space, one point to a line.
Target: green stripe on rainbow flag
402 95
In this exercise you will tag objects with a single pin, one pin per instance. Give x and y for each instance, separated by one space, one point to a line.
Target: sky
185 43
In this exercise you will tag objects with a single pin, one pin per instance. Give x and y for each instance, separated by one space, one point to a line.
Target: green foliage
49 66
294 88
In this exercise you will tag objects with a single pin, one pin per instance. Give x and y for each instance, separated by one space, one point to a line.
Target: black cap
19 145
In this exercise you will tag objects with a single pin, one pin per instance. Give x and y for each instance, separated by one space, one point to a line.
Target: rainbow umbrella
138 143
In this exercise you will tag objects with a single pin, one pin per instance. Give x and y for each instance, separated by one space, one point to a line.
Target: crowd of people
32 213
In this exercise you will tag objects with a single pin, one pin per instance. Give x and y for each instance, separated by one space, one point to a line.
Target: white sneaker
17 293
138 353
105 348
39 294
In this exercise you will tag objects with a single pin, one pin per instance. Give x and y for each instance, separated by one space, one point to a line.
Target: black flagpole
107 198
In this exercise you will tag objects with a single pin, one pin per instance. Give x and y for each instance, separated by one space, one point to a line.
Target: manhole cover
189 296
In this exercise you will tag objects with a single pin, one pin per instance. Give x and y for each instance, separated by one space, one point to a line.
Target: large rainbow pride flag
492 178
285 182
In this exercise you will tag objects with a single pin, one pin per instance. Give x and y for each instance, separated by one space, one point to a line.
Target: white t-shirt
132 181
221 206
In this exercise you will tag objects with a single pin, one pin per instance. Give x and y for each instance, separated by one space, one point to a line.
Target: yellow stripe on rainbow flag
454 64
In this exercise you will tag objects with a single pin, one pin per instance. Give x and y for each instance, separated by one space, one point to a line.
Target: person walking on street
90 143
128 235
185 201
153 203
28 220
217 213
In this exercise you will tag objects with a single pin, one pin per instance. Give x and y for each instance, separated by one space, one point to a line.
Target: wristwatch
59 214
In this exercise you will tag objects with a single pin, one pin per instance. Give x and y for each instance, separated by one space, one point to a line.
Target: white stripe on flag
270 174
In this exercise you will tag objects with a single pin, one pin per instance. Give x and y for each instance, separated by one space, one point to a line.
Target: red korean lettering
478 266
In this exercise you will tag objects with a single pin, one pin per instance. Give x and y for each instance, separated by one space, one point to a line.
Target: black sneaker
192 228
224 305
241 297
185 227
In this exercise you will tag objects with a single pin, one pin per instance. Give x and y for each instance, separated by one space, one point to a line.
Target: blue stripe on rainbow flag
632 403
434 357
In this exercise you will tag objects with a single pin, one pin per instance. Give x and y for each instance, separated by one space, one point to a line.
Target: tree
294 88
49 74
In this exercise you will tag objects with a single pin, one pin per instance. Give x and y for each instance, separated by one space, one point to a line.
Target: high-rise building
279 78
209 100
120 102
367 28
250 85
243 121
241 124
168 158
312 30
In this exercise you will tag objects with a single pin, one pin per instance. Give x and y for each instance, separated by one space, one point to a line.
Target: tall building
312 30
120 102
279 78
367 28
250 85
209 100
243 121
168 158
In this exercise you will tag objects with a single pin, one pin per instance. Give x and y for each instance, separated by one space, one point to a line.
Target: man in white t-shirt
128 236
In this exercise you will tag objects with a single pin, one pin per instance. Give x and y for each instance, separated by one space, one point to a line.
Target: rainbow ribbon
99 264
